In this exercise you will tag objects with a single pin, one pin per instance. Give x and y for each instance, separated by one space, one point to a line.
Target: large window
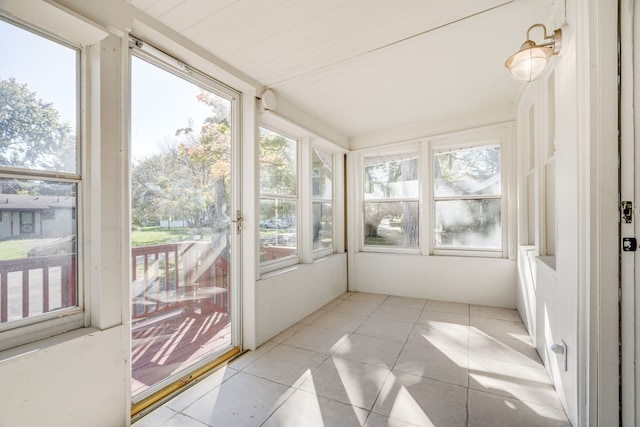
441 196
467 198
39 185
278 198
322 194
391 200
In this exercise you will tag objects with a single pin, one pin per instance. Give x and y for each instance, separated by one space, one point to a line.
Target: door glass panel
181 222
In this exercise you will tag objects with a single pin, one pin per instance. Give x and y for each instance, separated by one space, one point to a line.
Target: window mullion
305 243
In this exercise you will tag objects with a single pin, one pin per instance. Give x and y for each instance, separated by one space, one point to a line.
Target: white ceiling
362 66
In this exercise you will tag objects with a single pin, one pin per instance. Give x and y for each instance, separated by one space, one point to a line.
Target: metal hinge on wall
626 209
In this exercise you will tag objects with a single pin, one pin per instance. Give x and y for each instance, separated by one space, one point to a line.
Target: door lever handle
238 221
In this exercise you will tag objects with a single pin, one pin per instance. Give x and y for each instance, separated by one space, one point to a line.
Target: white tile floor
375 360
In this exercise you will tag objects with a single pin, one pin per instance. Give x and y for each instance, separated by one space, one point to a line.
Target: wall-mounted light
529 62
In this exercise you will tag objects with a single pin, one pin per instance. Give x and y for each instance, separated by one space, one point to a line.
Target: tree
32 134
467 173
208 159
189 176
151 180
385 180
278 176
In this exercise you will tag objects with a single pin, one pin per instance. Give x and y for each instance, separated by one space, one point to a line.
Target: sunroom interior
414 166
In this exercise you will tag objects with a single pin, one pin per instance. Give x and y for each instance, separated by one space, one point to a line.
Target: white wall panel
482 281
286 297
72 380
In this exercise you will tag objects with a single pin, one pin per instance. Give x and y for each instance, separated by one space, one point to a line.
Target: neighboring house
31 216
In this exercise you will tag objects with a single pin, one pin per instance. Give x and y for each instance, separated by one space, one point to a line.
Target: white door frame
629 303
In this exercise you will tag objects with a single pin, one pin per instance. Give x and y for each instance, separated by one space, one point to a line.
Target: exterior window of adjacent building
391 195
39 185
278 200
322 200
467 198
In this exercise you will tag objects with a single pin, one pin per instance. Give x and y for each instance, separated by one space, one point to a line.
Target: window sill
31 349
288 269
549 261
390 250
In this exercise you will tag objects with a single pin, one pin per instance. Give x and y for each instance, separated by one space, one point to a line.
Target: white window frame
307 140
31 329
452 145
395 150
318 253
287 261
502 134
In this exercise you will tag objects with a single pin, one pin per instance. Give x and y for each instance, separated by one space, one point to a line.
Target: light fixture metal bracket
553 41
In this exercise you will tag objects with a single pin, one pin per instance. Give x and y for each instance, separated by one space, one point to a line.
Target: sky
160 101
25 55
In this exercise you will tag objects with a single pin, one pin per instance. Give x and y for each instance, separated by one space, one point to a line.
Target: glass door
183 133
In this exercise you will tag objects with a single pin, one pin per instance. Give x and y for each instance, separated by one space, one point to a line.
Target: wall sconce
529 62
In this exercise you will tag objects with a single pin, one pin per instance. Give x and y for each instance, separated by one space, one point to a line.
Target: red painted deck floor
169 343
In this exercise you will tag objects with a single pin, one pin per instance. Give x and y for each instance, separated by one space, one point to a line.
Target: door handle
238 221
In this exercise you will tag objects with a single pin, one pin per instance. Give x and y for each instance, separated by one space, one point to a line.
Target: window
322 203
278 198
391 201
467 198
39 163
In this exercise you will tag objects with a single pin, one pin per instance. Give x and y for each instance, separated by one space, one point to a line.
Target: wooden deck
179 307
170 343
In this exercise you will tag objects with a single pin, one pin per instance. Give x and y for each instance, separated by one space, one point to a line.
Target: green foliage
322 174
463 170
278 162
32 135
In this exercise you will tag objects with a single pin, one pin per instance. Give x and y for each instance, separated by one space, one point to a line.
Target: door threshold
152 401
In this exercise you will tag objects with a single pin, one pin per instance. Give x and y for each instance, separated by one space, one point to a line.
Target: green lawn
157 236
12 249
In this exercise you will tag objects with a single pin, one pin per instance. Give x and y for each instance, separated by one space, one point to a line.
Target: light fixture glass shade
528 63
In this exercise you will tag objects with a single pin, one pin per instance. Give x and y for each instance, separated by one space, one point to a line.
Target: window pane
391 224
322 225
38 108
277 164
37 247
278 231
322 174
467 172
469 223
391 176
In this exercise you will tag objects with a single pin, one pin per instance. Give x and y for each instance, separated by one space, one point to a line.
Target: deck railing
37 285
165 278
176 275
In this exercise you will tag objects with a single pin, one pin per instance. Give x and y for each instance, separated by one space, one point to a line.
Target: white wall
483 281
572 297
76 380
548 286
285 297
